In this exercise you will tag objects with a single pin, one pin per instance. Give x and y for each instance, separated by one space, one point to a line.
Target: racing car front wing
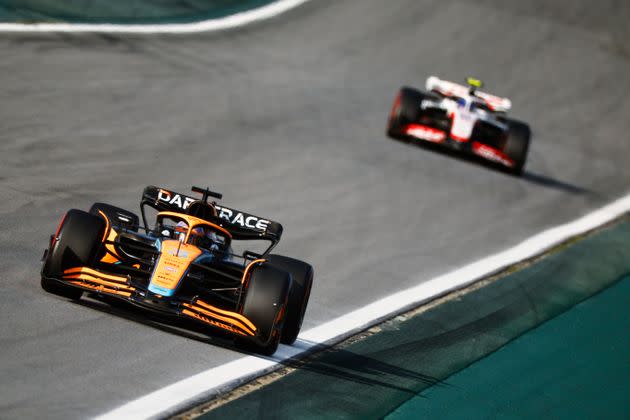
433 135
119 286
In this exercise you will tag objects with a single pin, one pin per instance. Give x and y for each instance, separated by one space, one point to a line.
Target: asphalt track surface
286 118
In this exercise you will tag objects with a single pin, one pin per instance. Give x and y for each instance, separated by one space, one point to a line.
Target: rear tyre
302 281
117 216
405 109
78 241
265 305
517 144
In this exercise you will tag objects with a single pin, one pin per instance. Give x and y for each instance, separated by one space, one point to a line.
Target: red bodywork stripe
434 135
460 139
491 153
424 132
395 107
63 219
56 237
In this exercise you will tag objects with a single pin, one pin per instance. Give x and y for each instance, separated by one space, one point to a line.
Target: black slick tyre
76 244
302 281
265 305
517 144
406 109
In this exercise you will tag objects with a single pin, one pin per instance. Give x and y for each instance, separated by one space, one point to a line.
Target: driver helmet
208 235
476 103
180 229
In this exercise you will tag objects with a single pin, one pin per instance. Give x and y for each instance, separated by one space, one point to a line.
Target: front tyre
406 109
76 244
517 144
302 281
265 304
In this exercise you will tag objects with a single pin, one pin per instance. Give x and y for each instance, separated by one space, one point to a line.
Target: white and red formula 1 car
461 118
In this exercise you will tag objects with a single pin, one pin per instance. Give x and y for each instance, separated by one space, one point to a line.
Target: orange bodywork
97 281
176 256
205 312
214 322
173 263
193 222
107 225
111 256
251 265
175 259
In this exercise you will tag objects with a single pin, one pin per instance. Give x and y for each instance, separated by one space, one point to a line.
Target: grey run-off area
287 119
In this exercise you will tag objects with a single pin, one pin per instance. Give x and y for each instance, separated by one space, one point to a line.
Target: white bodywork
463 122
465 109
453 89
456 116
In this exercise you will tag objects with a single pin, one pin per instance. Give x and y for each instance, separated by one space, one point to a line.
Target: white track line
228 22
222 378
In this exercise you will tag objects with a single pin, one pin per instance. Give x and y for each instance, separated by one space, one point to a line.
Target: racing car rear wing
240 224
453 89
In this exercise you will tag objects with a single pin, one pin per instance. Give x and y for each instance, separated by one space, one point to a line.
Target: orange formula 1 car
185 264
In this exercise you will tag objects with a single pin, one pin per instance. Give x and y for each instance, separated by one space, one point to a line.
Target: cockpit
471 104
193 231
